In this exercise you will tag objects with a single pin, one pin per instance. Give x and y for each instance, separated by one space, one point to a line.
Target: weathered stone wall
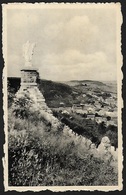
104 151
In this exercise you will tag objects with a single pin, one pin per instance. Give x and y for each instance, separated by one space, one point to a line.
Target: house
62 104
100 119
91 116
65 112
82 105
111 122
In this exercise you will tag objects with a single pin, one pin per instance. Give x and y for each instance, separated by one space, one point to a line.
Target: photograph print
62 96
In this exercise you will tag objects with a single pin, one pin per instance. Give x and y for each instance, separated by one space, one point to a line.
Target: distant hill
105 86
68 92
53 92
84 81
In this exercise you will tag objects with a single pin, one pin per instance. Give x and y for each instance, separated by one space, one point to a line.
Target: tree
22 106
102 127
108 118
85 115
11 94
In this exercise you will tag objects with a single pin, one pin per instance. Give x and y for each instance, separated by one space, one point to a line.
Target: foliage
21 106
38 157
88 128
112 135
11 94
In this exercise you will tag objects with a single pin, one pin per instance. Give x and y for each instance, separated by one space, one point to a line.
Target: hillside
71 92
41 155
58 149
53 92
84 85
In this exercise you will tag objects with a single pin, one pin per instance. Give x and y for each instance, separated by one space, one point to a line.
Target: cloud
74 64
77 32
74 57
80 27
70 45
53 30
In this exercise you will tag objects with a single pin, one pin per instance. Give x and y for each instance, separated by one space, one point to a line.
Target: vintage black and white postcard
62 96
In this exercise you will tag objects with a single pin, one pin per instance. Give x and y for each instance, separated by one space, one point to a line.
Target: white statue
28 50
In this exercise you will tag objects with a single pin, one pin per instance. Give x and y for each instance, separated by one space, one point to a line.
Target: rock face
29 80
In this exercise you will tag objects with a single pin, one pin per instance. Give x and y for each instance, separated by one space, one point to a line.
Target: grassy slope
39 157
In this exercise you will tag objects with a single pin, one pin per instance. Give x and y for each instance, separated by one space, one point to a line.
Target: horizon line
64 80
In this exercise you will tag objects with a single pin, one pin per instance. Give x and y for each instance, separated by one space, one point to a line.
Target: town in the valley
102 106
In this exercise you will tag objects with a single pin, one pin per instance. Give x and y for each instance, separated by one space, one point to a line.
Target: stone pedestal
29 80
29 77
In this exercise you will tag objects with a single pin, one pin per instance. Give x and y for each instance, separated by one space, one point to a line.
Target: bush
38 157
88 128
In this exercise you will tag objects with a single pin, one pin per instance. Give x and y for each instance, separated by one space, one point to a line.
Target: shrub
38 157
21 106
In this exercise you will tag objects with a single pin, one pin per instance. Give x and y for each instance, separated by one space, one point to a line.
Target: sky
71 44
